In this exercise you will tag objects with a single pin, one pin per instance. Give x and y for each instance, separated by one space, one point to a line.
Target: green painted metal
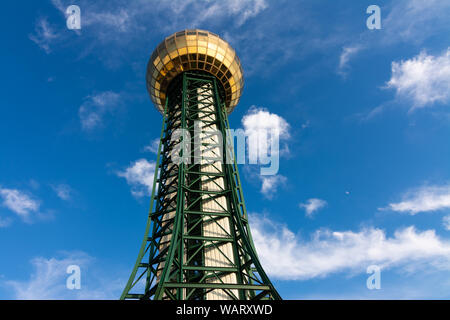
173 261
132 278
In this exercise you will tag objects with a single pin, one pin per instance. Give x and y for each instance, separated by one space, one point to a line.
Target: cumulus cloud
265 131
423 199
139 176
93 110
424 79
270 184
312 205
48 280
19 202
262 128
287 256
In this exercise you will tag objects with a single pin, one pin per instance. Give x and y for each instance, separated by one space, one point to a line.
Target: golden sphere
194 50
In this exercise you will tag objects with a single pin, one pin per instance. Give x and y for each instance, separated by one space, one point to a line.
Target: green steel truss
200 246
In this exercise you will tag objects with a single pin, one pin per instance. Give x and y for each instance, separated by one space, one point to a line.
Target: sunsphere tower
200 246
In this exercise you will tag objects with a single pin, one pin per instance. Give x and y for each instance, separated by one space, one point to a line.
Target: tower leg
200 246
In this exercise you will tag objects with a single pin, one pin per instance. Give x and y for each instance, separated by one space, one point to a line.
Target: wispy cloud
424 79
446 222
94 109
19 202
423 199
153 146
313 205
133 17
242 10
48 280
415 20
5 222
44 34
139 176
63 191
346 55
410 21
285 255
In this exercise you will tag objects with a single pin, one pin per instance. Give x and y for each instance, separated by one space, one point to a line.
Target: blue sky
364 174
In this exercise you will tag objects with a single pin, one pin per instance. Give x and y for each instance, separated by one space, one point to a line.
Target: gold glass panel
212 46
194 50
156 61
219 56
181 42
202 50
155 73
170 43
211 52
170 65
173 54
182 51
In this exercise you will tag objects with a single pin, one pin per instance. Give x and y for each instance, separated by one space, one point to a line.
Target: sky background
364 117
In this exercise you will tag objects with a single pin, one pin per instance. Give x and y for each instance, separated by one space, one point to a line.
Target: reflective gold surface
194 50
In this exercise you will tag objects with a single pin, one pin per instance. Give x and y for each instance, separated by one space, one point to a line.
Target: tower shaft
199 246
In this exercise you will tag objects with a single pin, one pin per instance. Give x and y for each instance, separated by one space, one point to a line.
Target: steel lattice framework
197 242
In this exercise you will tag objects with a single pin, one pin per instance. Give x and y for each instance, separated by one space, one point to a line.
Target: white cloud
102 16
95 107
347 53
48 280
446 222
265 132
43 35
63 191
424 79
415 20
120 21
312 205
428 198
19 202
5 222
153 146
241 9
262 127
286 256
139 176
270 184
